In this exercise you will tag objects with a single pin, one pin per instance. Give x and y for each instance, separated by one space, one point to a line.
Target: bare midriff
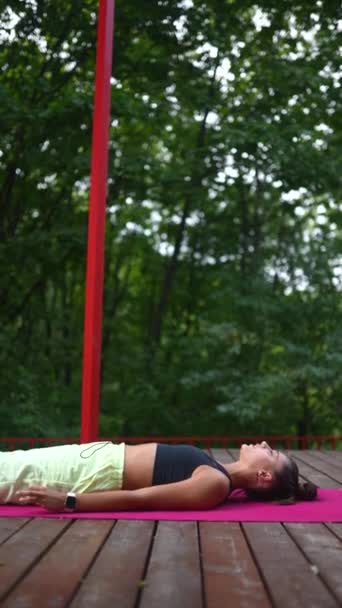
139 464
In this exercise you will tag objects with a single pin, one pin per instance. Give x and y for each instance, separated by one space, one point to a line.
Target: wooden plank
336 529
328 458
332 456
307 473
329 469
22 549
116 576
234 453
323 550
221 455
319 461
286 572
9 526
173 577
55 578
230 575
336 455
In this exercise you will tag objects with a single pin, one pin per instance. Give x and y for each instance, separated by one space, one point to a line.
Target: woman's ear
264 478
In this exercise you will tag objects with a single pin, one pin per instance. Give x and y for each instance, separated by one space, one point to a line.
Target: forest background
222 299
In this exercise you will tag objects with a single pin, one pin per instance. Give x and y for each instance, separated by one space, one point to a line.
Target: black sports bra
178 462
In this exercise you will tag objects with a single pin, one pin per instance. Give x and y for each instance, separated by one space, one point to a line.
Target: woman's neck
238 474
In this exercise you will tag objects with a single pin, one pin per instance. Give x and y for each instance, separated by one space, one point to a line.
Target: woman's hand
42 496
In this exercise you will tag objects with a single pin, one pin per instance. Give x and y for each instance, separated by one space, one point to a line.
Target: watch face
70 502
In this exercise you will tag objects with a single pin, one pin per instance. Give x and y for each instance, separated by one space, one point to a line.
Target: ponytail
306 491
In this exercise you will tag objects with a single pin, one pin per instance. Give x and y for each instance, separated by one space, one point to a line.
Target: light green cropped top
88 467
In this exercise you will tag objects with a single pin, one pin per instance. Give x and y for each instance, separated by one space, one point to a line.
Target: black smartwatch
70 502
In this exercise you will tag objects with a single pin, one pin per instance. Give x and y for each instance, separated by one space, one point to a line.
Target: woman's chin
242 448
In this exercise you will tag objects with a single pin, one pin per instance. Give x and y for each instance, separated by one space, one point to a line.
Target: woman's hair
286 488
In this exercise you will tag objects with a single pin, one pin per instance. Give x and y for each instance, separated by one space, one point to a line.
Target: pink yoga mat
327 508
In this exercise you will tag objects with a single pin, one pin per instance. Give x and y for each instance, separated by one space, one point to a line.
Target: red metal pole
96 225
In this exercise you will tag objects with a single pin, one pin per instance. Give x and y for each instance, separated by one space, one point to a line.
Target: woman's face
260 456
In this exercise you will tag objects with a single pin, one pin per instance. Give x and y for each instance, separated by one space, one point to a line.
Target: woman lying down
104 476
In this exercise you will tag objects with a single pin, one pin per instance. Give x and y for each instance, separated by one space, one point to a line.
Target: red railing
285 441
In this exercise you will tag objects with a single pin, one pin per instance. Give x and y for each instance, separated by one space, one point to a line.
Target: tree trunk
303 423
171 269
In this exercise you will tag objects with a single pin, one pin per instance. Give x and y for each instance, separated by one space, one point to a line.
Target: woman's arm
204 490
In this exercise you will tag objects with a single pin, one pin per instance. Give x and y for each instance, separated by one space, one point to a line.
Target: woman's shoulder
213 474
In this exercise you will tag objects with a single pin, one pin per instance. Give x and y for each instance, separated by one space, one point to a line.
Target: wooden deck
146 564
